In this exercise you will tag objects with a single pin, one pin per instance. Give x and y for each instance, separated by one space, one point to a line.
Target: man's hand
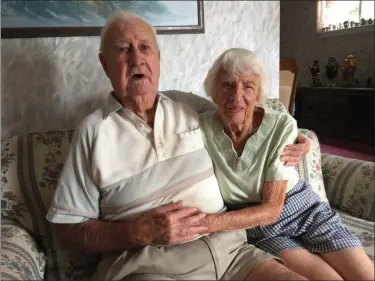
293 153
170 224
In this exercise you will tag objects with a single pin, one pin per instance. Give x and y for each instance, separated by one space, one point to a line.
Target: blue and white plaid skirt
306 223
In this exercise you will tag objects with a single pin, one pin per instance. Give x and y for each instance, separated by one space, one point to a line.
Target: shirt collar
113 104
252 146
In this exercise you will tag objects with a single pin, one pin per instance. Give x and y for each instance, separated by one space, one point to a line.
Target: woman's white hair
123 16
238 61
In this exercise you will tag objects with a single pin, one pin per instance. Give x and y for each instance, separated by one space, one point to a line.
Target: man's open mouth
138 76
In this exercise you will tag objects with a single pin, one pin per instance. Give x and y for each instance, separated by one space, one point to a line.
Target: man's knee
273 270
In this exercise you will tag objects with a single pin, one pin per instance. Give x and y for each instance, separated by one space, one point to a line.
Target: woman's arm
273 197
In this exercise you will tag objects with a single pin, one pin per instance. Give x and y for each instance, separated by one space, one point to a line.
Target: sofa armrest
349 185
21 258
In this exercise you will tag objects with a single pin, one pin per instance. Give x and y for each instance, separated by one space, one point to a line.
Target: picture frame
16 24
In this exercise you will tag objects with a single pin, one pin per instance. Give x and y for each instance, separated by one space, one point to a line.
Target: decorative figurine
340 25
334 27
363 21
348 71
356 24
356 82
352 23
369 21
315 73
332 68
368 82
346 24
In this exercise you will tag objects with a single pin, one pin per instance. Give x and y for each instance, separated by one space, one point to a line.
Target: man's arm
198 103
164 225
96 236
293 153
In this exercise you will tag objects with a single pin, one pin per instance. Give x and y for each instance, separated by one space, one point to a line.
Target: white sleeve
76 198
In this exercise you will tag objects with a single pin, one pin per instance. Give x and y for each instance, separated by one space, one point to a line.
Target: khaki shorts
218 256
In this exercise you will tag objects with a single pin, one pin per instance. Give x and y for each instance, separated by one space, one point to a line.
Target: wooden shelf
345 113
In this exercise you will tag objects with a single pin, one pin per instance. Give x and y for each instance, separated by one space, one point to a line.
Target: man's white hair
237 61
123 16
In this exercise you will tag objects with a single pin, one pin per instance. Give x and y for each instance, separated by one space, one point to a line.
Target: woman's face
236 97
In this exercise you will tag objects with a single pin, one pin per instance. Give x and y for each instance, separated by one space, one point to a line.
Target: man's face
131 59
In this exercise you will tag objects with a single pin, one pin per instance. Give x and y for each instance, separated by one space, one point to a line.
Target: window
333 15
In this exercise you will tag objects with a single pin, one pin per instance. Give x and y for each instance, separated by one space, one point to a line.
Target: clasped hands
172 223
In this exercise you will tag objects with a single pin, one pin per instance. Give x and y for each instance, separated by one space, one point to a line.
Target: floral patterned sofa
30 168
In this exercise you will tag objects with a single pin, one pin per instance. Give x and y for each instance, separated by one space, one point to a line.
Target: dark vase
332 68
315 73
368 82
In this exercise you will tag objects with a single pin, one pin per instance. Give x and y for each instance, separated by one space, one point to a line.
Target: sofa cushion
31 166
309 169
21 258
275 104
363 229
350 185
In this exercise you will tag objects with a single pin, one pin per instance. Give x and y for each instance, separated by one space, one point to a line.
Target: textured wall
51 83
299 40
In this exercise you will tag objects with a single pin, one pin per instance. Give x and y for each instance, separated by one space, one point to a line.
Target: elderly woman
282 215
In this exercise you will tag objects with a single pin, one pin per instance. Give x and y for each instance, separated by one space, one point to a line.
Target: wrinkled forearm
262 214
96 236
273 198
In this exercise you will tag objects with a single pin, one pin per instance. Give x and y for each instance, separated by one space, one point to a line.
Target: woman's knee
352 263
309 265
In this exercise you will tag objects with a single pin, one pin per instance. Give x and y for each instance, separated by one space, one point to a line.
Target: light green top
242 182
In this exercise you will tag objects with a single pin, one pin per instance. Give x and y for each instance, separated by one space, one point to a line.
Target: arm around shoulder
198 103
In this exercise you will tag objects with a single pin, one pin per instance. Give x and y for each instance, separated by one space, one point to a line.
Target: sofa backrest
31 166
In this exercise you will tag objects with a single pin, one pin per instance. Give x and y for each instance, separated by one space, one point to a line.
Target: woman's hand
293 153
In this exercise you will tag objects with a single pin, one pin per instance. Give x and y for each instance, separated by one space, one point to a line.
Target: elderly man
129 160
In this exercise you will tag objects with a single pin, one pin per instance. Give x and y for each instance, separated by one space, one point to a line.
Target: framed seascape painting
45 18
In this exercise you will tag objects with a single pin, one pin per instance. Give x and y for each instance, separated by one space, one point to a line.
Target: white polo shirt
118 167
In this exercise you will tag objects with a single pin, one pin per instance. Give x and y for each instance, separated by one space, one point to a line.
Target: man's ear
104 63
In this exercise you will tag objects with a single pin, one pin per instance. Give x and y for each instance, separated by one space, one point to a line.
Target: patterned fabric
30 169
309 168
21 258
350 185
364 230
275 104
305 222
